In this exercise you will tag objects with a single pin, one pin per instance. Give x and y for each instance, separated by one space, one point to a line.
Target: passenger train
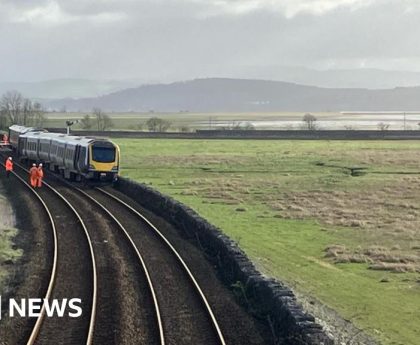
76 158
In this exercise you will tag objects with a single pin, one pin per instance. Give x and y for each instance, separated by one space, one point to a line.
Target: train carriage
30 145
16 131
73 156
45 146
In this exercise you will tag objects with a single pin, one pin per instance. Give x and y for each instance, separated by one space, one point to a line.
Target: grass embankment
8 254
351 242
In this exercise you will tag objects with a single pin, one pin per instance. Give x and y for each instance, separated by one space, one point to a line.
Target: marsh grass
351 242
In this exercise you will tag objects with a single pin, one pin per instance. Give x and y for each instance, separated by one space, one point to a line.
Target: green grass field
352 242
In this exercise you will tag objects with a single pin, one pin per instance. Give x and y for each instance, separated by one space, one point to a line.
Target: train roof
39 133
62 138
24 129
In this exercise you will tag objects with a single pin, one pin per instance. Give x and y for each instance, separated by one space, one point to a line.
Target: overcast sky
161 40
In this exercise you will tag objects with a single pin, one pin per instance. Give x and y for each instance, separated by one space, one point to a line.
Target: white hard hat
10 158
33 164
40 164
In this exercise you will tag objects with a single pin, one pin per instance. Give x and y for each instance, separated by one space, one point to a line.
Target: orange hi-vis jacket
33 176
9 165
40 176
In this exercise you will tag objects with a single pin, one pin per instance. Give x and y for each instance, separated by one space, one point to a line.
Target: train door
76 158
21 146
82 160
38 143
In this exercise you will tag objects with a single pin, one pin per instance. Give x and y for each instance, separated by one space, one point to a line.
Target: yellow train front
75 158
104 160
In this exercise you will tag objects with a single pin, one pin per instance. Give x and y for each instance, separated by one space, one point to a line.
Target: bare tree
103 121
152 124
3 119
86 122
98 114
106 122
26 112
309 121
156 124
11 106
37 115
14 109
184 128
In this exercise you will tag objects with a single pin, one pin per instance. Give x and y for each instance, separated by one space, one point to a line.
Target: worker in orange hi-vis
40 175
9 166
33 175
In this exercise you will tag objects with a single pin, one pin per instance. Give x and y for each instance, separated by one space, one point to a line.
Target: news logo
32 307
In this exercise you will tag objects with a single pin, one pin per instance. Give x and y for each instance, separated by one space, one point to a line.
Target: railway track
71 276
111 322
186 314
183 314
144 291
37 324
128 310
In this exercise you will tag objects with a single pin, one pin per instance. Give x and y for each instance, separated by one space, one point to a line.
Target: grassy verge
294 207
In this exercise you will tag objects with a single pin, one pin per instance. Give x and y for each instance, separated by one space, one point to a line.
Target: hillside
237 95
368 78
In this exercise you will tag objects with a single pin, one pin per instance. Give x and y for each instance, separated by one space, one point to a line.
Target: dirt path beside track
9 254
26 274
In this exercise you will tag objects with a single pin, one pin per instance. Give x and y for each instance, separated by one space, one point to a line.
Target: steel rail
175 252
40 319
140 257
89 339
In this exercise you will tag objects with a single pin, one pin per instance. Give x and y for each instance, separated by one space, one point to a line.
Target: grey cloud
168 40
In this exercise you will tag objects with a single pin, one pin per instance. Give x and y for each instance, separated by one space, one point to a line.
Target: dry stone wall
266 298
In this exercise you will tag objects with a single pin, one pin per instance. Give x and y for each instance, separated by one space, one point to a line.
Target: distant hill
236 95
62 88
368 78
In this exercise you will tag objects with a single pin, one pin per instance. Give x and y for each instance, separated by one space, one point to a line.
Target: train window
103 154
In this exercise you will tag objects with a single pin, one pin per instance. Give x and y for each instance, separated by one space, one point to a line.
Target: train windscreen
103 154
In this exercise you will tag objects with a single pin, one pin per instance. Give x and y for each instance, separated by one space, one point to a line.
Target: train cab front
104 161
